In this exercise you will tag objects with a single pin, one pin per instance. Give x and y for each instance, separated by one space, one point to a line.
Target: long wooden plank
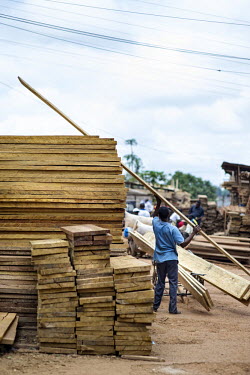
10 335
55 140
5 324
226 281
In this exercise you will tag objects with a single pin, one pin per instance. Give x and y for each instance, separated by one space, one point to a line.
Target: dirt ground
195 342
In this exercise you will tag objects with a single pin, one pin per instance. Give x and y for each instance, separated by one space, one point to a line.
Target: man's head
164 213
142 206
146 200
198 203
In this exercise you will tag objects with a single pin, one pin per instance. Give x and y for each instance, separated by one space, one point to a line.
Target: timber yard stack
18 293
90 253
57 297
213 220
51 181
134 311
239 247
48 182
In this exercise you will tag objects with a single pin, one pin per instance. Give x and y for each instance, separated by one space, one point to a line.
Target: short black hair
142 206
164 213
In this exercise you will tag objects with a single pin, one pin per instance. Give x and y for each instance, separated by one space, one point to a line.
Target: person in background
148 206
167 237
175 218
196 212
143 211
136 211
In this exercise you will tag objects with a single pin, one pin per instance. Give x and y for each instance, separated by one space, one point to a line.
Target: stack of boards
51 181
18 293
239 247
90 253
8 326
48 182
134 306
57 297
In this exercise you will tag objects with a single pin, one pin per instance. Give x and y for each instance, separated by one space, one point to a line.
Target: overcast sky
188 111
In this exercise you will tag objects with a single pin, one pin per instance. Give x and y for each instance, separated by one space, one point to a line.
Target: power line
29 45
85 68
148 14
62 19
188 10
119 22
120 40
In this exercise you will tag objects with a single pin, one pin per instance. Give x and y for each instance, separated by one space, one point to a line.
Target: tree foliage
134 162
195 185
154 178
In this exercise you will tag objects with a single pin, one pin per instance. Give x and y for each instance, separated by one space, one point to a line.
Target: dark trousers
169 269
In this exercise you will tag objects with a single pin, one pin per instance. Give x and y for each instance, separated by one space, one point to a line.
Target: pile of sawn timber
57 297
239 247
134 306
90 254
18 293
48 182
51 181
86 305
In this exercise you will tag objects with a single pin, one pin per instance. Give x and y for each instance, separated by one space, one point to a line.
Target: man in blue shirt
196 212
167 237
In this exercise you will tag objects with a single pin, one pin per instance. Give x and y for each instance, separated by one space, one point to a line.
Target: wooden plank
87 229
226 281
5 323
10 334
55 140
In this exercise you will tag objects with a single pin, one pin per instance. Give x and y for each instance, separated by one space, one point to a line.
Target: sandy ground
195 342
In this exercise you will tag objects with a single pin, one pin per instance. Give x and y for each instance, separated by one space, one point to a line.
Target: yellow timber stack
47 182
52 181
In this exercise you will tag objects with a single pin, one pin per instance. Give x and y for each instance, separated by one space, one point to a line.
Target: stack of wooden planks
57 297
8 326
90 251
134 306
48 182
18 292
51 181
239 247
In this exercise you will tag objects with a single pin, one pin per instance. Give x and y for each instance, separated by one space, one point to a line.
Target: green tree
134 162
154 178
195 185
132 142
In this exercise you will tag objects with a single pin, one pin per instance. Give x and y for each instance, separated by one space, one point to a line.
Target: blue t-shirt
167 237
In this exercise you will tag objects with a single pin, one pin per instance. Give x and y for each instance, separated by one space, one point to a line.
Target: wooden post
150 188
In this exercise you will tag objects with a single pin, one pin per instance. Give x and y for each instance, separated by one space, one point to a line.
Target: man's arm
157 206
189 239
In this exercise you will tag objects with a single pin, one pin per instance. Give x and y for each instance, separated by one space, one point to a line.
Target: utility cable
148 14
120 40
119 22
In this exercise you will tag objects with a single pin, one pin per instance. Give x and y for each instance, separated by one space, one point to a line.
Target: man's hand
197 229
